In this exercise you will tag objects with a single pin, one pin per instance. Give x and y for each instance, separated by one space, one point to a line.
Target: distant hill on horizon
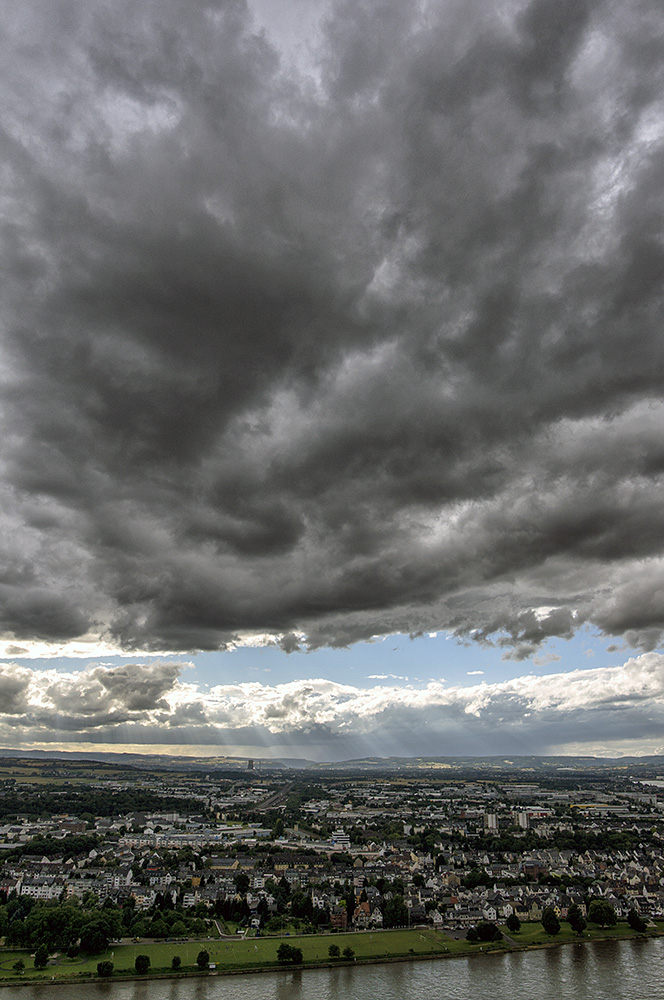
153 761
537 763
649 765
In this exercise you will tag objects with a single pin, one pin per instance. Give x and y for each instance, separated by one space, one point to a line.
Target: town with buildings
256 852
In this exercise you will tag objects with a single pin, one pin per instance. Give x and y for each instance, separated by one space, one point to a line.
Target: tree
487 931
475 877
53 925
395 912
284 885
513 923
287 953
41 957
94 936
472 936
348 953
139 927
176 962
142 964
576 919
242 883
15 932
334 951
301 904
203 959
636 921
550 921
602 913
128 910
18 966
158 929
105 969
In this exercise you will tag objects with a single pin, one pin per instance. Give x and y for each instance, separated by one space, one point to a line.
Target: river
604 970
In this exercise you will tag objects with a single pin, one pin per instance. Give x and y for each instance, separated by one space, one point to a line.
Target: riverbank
371 948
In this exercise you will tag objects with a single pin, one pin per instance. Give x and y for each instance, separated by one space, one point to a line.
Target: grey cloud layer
596 710
367 346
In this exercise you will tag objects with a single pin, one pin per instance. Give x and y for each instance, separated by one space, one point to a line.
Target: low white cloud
387 677
148 703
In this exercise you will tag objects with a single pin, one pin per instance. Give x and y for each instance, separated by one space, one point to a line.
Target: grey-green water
608 970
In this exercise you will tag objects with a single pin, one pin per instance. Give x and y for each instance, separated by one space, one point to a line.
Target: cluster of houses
433 892
329 855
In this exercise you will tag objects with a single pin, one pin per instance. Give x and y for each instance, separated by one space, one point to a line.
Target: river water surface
604 970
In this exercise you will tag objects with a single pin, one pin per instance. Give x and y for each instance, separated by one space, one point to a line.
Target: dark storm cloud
364 343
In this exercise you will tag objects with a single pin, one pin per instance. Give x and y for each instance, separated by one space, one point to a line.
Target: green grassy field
534 934
242 953
257 951
262 952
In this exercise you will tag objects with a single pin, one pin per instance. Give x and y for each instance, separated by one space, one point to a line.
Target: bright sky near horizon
327 323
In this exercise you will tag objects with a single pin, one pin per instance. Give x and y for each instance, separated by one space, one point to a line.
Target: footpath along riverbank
451 948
